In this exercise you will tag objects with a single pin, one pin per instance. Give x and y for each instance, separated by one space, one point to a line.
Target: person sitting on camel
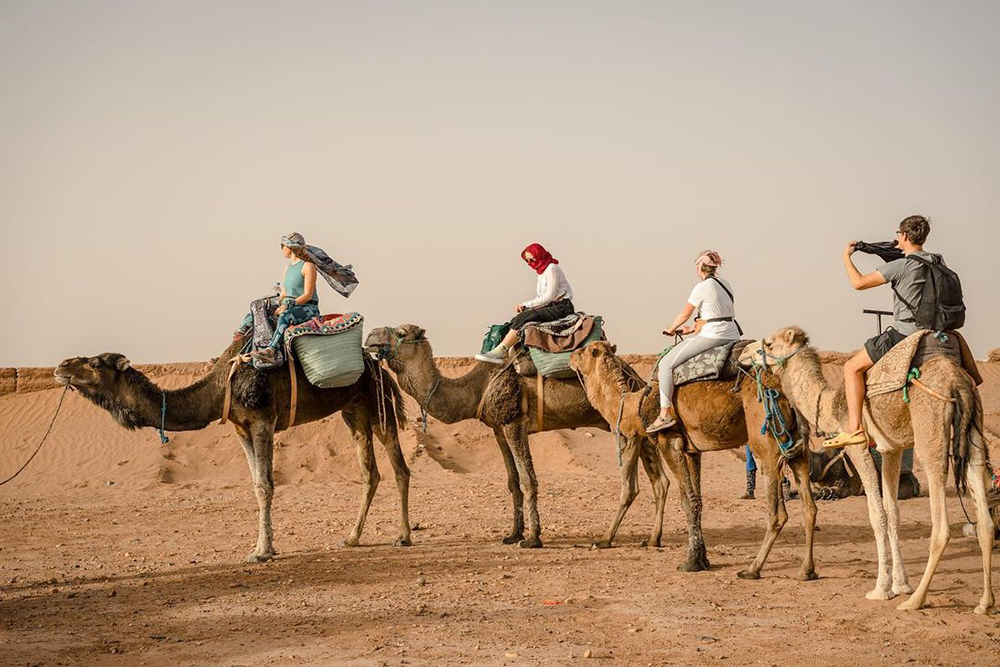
907 279
553 300
299 300
715 325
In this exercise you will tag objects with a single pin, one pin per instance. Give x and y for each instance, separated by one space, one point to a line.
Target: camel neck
808 390
453 399
189 408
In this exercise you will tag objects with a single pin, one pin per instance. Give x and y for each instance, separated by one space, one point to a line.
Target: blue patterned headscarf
339 277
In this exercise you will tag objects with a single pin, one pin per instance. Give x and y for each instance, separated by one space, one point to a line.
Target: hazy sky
153 153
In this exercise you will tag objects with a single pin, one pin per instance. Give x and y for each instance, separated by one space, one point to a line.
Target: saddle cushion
719 363
889 373
563 335
556 364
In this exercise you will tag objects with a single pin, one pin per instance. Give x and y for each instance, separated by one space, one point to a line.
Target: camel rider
715 325
553 300
299 300
907 279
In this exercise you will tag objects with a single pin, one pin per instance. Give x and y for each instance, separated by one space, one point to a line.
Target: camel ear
789 336
595 351
419 333
122 363
614 349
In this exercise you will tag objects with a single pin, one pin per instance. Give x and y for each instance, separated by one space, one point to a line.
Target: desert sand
117 550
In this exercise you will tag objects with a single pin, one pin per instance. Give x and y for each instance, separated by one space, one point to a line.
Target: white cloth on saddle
889 373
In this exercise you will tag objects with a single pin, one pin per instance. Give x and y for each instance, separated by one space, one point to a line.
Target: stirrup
844 439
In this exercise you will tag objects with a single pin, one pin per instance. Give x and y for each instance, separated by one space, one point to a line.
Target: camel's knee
940 539
263 490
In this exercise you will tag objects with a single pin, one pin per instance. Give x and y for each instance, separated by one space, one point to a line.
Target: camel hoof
902 589
651 543
530 543
403 542
880 594
809 576
600 544
748 574
260 556
983 609
513 538
349 542
908 605
693 565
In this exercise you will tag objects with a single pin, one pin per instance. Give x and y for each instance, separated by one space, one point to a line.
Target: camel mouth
64 380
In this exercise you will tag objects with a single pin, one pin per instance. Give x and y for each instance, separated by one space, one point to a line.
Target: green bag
556 364
494 336
331 360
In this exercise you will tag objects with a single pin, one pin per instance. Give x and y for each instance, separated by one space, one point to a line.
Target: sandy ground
116 550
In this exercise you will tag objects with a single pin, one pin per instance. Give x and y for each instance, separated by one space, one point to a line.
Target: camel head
397 345
774 350
593 357
108 380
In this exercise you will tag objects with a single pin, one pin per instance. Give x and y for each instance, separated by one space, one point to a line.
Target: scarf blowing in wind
339 277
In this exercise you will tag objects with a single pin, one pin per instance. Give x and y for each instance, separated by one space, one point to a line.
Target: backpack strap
731 298
913 308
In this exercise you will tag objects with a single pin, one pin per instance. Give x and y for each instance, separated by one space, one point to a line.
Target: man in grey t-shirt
907 278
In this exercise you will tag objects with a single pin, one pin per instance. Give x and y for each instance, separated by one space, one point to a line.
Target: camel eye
94 363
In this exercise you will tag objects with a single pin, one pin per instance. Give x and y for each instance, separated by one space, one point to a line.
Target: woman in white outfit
715 325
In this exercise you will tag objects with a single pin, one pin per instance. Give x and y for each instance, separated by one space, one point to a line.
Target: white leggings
683 351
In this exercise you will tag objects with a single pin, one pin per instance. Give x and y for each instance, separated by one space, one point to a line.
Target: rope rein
42 441
163 419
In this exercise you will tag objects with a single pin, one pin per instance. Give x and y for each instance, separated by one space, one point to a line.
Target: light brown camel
260 407
712 417
509 408
940 428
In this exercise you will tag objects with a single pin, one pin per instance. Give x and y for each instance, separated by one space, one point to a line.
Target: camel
509 408
260 408
948 425
712 417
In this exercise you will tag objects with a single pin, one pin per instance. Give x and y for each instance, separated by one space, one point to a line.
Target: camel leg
629 489
976 478
247 444
263 486
778 516
940 534
390 440
361 430
516 533
865 466
658 479
800 469
516 434
891 463
679 464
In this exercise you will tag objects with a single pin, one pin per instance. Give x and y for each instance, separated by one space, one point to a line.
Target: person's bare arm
283 295
682 317
858 280
309 283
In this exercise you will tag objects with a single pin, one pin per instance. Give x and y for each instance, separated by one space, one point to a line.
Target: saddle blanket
719 363
563 335
890 372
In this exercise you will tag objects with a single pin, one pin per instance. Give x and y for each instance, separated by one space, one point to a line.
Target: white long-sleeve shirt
552 286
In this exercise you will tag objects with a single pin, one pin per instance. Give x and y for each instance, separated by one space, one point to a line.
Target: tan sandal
661 424
844 439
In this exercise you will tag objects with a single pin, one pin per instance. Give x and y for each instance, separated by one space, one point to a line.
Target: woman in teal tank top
299 300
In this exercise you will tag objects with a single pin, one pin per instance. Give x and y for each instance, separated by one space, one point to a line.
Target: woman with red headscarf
715 324
553 300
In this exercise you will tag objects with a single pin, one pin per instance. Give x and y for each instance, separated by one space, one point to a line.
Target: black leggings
547 313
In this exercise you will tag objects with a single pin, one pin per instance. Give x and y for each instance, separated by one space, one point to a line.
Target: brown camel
942 427
509 408
260 407
712 417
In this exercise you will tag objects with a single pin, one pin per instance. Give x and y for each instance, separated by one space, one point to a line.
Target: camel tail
967 432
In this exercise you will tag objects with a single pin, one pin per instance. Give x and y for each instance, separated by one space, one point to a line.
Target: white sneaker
494 356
